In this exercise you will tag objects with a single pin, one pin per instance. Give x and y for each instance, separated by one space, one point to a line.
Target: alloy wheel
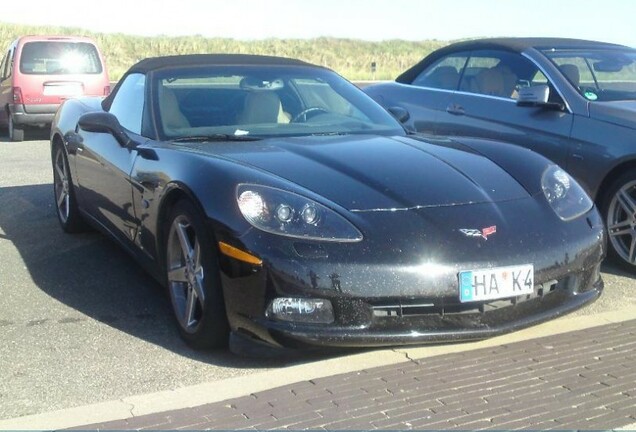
62 195
621 222
185 274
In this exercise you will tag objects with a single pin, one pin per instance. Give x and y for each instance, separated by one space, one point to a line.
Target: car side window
5 67
443 74
10 62
576 70
128 104
497 73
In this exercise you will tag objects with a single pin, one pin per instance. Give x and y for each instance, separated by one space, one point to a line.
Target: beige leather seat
262 107
444 77
509 79
171 115
572 73
490 82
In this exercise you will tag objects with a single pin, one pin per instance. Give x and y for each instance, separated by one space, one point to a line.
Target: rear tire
65 203
194 282
16 133
619 212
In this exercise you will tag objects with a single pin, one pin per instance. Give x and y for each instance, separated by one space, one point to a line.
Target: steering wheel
304 113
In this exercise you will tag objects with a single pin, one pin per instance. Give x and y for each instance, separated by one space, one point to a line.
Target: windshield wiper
215 138
330 133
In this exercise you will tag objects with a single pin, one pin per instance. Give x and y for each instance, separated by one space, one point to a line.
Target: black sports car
573 101
278 202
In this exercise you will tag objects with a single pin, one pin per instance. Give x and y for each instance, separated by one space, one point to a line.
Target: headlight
565 195
285 213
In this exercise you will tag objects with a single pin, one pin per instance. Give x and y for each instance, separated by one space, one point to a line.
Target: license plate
496 283
63 89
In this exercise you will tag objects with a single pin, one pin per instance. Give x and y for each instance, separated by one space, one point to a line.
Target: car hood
375 173
622 113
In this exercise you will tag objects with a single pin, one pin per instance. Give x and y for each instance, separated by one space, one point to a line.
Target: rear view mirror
252 83
608 66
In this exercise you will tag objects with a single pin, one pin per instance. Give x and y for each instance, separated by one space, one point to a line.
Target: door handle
455 109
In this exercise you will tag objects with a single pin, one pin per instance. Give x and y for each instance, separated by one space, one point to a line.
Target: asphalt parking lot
81 323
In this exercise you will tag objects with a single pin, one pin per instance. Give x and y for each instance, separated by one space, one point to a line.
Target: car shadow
608 266
91 274
30 134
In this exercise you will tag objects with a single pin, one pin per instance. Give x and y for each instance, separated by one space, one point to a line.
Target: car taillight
17 95
106 90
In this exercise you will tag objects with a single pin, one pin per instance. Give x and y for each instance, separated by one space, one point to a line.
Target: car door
103 165
428 94
485 106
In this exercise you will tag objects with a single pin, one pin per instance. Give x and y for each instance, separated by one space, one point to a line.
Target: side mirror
401 114
537 96
104 122
534 95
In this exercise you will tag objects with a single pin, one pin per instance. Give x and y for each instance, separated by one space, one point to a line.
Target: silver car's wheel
621 222
193 279
185 274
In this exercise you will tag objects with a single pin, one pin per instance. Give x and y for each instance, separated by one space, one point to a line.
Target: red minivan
38 73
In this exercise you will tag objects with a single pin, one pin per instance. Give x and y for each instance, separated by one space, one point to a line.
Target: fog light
301 310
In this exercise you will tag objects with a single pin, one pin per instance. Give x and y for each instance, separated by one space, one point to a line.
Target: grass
350 58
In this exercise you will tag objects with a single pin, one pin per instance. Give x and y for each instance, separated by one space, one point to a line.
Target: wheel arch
175 192
213 331
610 178
56 139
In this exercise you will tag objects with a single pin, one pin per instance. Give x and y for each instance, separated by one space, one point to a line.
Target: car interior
491 74
249 101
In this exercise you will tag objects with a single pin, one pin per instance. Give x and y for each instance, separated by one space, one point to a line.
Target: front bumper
383 295
433 327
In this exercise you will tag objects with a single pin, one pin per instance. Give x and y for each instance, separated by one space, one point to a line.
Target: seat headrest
491 82
572 73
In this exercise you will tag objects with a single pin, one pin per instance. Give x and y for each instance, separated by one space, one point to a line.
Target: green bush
351 58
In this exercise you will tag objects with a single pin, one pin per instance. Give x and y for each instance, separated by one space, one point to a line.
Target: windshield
58 58
598 74
264 101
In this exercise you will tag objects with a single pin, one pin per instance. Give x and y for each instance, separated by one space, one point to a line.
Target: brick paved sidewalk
580 380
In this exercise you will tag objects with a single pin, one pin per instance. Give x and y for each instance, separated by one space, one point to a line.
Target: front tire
193 278
15 133
65 203
619 210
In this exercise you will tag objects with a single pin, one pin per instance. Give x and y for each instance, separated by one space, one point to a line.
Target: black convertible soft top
520 44
154 63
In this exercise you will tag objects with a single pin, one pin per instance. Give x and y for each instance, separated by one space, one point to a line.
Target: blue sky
606 20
